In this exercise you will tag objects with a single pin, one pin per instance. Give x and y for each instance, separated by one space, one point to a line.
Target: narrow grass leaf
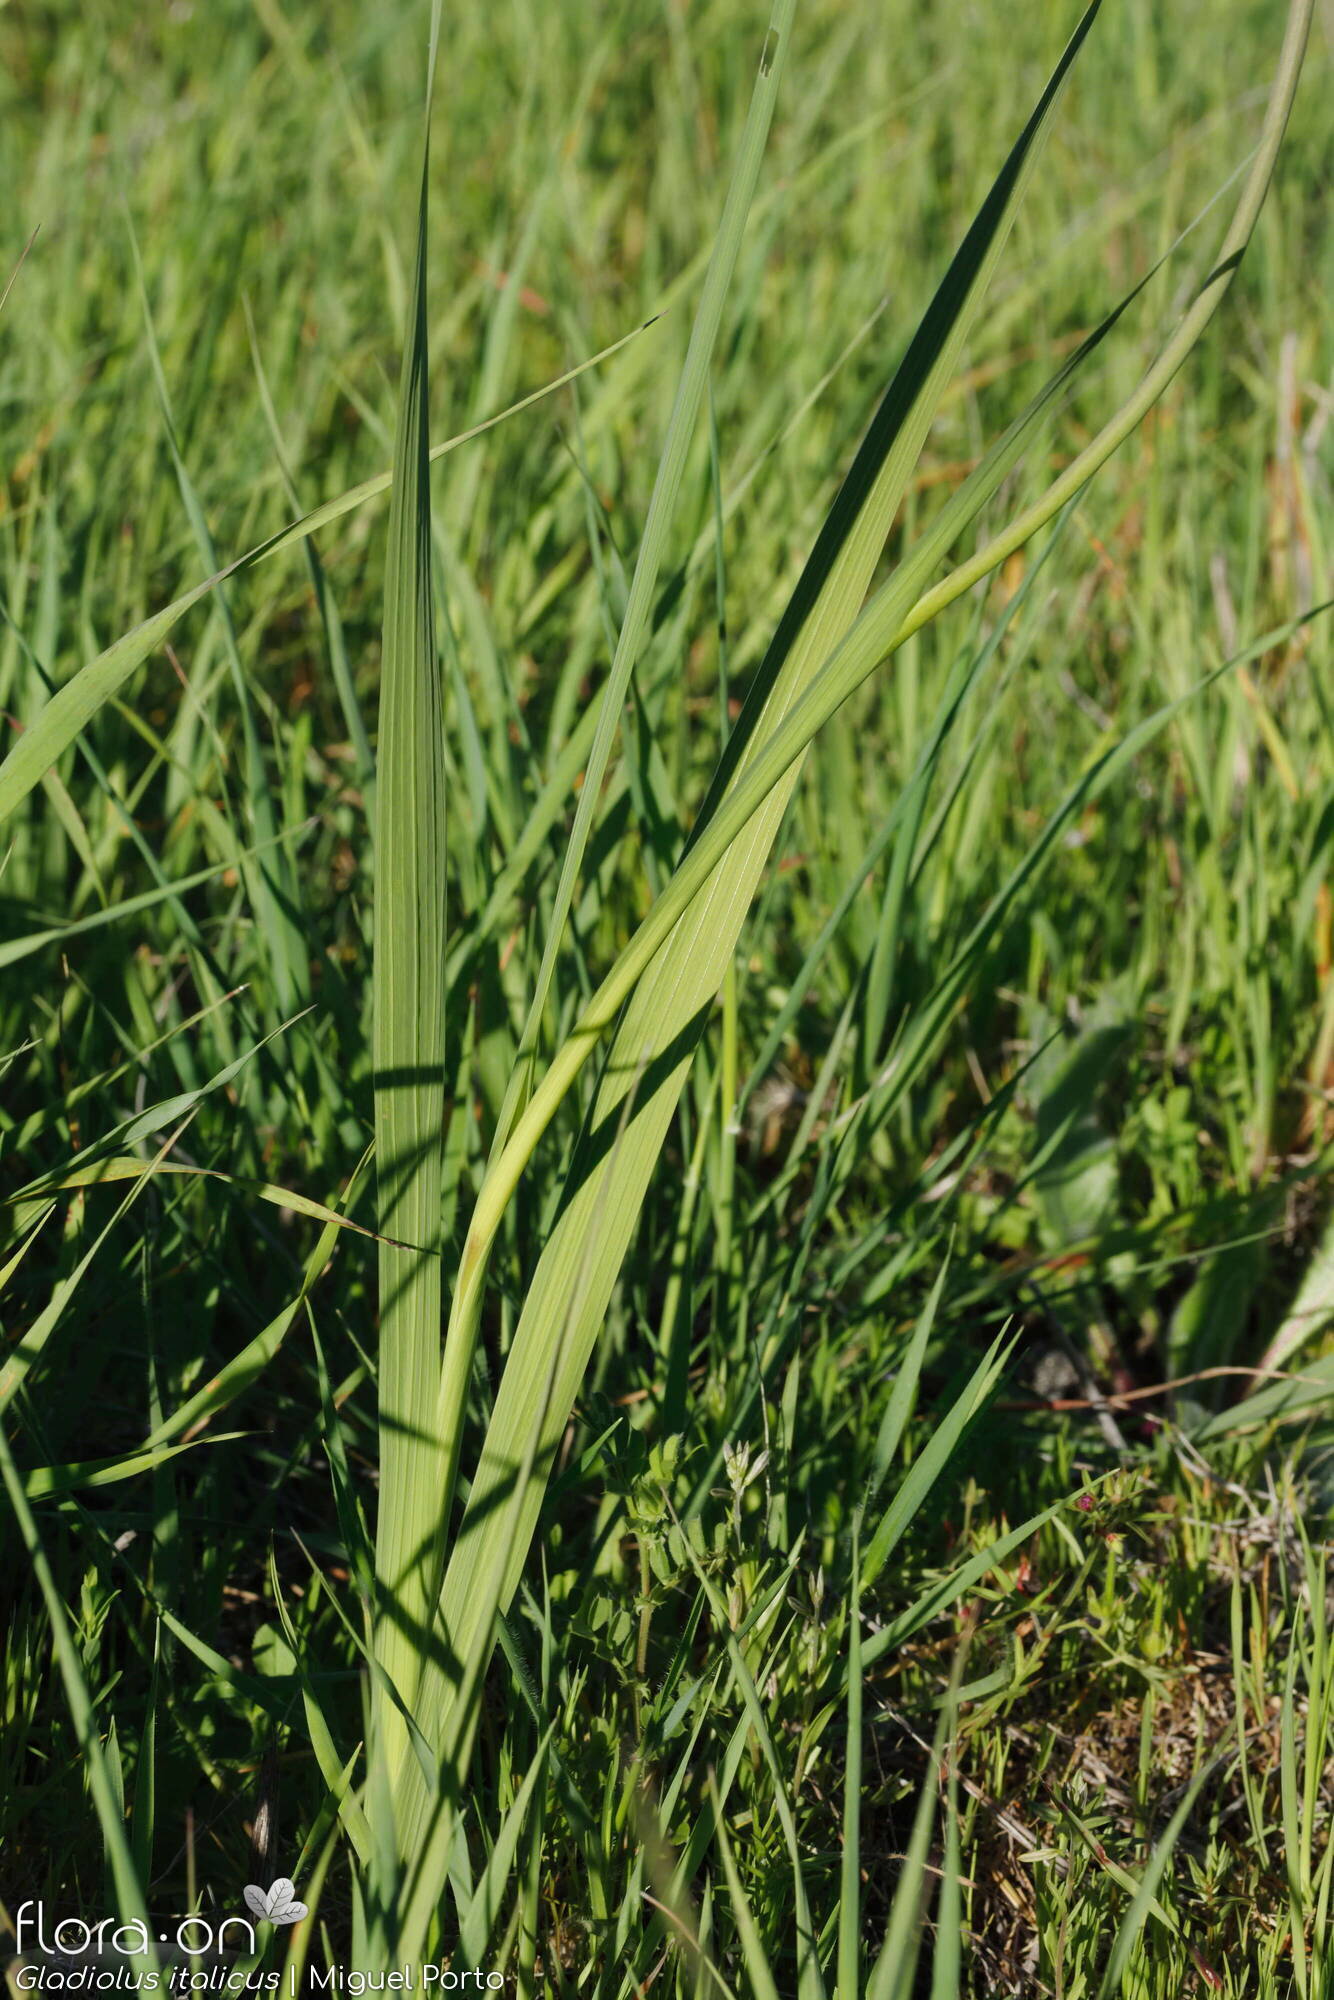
935 1455
26 1354
124 1877
271 884
1144 1902
762 1983
76 702
246 1366
478 1918
849 1981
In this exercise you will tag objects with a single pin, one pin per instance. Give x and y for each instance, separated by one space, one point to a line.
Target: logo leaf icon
279 1905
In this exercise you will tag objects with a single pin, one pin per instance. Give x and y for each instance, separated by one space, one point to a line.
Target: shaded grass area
1114 1143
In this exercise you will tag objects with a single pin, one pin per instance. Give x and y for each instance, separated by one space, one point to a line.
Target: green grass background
1118 1134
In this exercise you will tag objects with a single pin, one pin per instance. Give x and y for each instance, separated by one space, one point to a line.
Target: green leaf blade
409 1032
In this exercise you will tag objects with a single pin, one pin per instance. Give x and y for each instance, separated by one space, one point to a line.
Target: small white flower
740 1472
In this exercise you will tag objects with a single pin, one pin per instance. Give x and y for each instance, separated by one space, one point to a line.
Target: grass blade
849 1980
77 701
124 1877
757 1965
666 486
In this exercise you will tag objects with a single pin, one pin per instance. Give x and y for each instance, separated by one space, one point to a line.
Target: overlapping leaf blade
651 1052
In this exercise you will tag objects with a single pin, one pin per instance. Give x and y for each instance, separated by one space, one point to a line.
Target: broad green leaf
1311 1310
1075 1175
651 1052
408 998
634 625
